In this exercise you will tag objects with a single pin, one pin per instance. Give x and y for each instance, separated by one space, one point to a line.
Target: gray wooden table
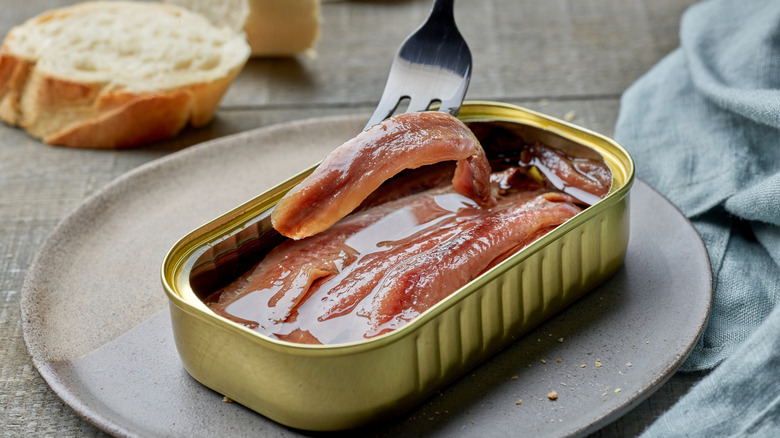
569 58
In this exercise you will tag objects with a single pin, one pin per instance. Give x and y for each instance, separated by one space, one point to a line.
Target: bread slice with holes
115 74
272 27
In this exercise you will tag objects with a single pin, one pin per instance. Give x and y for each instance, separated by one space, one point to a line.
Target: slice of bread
115 74
272 27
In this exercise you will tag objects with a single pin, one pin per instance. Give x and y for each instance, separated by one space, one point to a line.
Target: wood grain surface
566 58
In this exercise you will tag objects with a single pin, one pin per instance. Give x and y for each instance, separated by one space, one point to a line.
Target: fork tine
419 103
452 104
384 109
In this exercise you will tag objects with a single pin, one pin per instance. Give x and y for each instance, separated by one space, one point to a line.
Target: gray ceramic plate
97 328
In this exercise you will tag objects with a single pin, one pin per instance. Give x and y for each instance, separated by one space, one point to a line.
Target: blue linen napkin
741 397
704 128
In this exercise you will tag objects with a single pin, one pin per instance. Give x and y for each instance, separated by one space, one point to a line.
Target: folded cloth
741 397
704 128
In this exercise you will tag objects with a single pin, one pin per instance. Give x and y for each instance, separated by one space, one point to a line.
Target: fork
433 65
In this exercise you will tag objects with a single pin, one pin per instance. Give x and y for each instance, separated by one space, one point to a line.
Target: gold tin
333 387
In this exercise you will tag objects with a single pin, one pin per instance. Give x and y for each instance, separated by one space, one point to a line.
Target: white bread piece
272 27
115 74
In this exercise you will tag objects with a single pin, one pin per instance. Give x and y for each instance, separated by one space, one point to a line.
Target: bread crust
272 27
99 115
113 120
13 79
282 27
142 119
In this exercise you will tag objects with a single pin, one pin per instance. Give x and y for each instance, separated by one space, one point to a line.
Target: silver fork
433 65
